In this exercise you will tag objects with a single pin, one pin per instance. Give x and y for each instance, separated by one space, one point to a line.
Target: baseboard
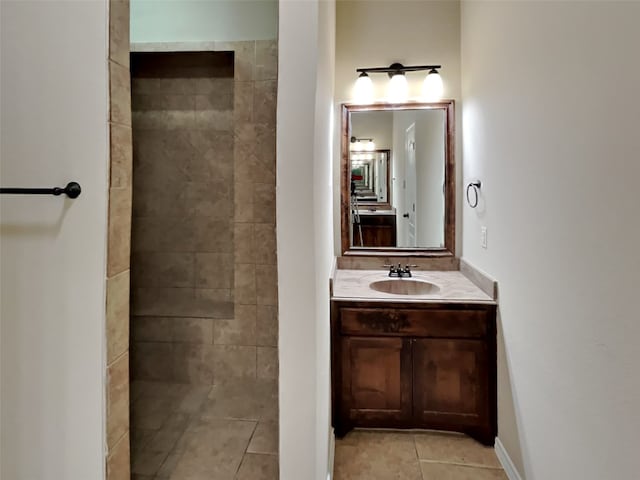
505 460
332 453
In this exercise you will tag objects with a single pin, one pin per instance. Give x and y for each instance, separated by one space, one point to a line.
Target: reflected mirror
398 179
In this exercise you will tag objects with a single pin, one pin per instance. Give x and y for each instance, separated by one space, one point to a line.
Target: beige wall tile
267 325
244 55
223 84
244 243
192 330
192 363
212 199
121 156
164 269
145 102
264 102
245 164
265 243
164 120
120 94
243 103
211 235
266 60
267 285
245 284
233 362
265 138
219 120
182 302
219 99
117 400
243 201
119 31
151 361
214 270
240 330
119 235
118 461
268 363
217 152
151 329
264 199
117 315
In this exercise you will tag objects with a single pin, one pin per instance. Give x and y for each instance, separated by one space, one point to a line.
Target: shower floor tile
193 432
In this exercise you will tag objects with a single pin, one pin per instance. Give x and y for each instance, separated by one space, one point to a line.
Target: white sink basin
403 286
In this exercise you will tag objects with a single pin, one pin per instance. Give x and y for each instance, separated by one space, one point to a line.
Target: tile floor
198 432
395 455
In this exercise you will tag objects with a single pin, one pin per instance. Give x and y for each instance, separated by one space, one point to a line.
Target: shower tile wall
204 278
182 267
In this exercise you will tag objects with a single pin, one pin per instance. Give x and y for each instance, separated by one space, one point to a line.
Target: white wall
203 20
52 252
551 115
376 125
379 33
304 234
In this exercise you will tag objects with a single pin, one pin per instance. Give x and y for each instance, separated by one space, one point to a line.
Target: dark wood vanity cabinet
414 366
377 231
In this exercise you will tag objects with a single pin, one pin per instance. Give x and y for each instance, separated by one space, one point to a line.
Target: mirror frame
448 106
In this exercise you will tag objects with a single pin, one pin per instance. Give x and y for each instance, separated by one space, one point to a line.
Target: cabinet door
376 381
450 382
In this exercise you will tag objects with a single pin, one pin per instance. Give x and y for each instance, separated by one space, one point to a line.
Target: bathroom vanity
413 360
415 352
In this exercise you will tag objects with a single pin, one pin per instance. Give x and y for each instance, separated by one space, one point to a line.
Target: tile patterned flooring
414 455
202 432
230 432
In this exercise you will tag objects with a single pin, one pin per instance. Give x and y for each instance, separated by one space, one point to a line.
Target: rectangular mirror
398 187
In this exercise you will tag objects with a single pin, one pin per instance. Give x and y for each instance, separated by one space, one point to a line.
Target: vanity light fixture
398 89
363 90
362 144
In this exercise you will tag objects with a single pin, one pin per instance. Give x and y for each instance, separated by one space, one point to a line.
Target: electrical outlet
483 237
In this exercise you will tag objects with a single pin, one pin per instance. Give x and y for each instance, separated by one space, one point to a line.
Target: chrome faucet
399 271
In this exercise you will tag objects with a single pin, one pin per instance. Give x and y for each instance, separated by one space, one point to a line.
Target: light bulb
363 89
370 146
432 87
398 89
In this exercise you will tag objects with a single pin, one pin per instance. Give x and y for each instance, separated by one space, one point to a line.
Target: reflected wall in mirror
398 179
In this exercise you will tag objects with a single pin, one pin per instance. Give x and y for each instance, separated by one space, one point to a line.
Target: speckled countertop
453 286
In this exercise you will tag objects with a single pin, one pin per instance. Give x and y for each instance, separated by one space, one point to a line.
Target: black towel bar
72 190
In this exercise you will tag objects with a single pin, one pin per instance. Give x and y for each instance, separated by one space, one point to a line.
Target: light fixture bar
397 67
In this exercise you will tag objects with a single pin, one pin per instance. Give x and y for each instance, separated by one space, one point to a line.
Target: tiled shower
203 269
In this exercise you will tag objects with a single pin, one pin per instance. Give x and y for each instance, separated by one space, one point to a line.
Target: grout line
110 364
470 465
415 449
246 448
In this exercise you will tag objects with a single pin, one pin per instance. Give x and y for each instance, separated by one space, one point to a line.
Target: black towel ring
476 186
